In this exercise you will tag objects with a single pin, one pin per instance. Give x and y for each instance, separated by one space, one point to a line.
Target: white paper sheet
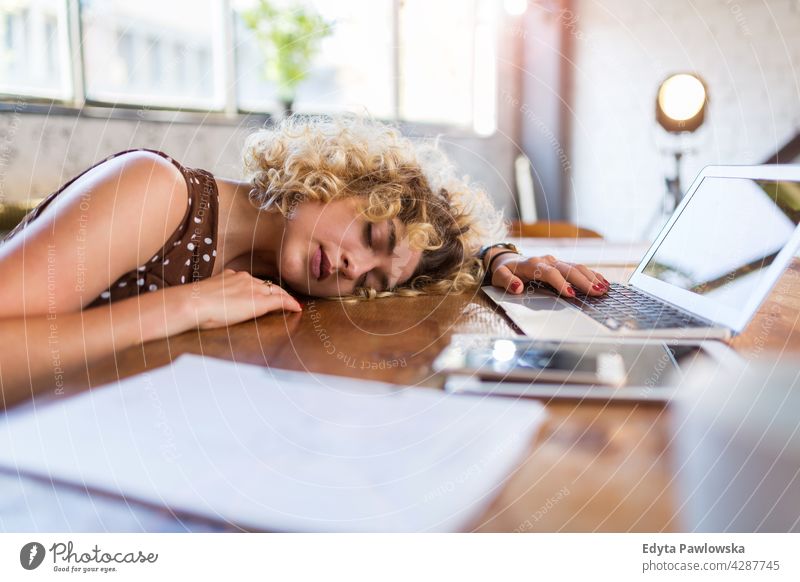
276 450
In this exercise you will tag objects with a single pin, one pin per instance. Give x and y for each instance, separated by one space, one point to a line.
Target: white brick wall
748 52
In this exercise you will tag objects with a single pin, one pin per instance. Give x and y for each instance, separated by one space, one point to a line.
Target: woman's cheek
291 273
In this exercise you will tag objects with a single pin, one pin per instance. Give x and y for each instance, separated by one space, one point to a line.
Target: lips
320 265
316 264
325 265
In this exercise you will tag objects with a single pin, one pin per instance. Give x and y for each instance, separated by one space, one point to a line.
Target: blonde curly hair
325 158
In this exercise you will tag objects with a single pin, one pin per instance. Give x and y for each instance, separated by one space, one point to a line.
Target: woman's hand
511 272
232 297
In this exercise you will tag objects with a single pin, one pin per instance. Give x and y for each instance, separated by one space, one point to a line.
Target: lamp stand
669 203
674 183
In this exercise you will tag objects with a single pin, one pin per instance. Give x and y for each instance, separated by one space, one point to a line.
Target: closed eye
362 280
369 242
368 234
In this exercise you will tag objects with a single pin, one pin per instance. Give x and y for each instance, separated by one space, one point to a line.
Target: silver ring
269 285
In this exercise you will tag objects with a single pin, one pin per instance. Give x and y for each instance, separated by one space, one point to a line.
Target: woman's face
330 249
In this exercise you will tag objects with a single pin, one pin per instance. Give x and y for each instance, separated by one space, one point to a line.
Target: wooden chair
11 215
543 229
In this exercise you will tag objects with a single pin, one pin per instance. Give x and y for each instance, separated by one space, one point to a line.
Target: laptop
705 275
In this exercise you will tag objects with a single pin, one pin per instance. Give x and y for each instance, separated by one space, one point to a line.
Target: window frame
229 113
65 60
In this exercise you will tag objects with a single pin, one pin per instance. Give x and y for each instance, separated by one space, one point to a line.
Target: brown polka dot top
188 254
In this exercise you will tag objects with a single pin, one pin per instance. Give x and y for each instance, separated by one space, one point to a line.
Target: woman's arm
512 271
106 223
38 351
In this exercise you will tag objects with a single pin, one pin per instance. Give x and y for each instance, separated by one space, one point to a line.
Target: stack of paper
274 450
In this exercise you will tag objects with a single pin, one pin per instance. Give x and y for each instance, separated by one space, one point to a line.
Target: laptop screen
726 237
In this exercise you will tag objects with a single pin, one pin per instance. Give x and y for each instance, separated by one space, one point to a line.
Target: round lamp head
681 103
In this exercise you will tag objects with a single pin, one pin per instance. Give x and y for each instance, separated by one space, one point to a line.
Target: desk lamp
680 109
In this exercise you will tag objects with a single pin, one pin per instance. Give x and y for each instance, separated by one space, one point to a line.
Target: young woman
139 247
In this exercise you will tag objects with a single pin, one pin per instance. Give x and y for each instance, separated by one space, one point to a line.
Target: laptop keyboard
625 307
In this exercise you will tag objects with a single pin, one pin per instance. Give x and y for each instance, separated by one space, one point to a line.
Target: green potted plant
289 38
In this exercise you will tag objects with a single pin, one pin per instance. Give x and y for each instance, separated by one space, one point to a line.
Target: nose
354 265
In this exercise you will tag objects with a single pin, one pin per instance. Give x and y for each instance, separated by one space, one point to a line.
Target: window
254 91
34 49
353 70
436 54
151 52
413 60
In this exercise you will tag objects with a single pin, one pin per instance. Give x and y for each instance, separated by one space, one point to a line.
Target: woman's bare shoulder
108 221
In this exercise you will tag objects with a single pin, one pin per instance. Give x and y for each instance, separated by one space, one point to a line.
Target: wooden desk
593 467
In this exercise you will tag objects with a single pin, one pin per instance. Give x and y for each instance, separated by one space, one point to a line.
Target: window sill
216 118
138 113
